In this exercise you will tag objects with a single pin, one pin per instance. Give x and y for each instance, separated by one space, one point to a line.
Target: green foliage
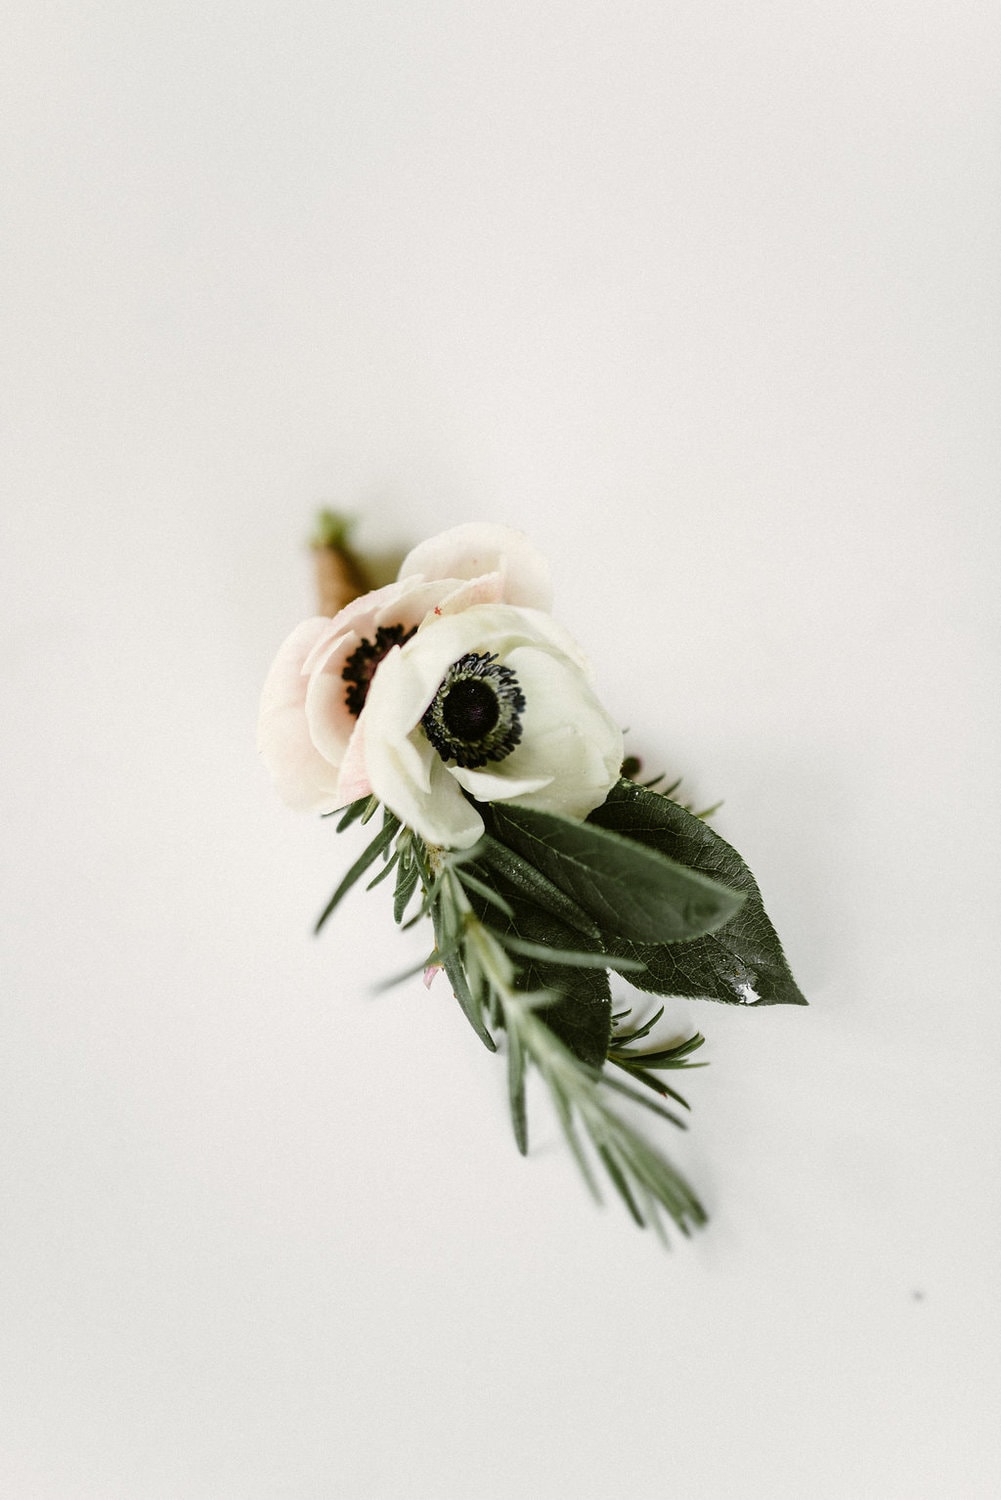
633 893
528 924
638 1064
407 876
645 1180
379 845
363 808
533 885
741 962
565 1035
554 959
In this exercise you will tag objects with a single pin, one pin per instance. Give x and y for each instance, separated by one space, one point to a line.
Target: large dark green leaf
533 884
634 892
741 962
582 1018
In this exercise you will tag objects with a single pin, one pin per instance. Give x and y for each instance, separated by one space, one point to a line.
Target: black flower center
470 709
475 716
359 669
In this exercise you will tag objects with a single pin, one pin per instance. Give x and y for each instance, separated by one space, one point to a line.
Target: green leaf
742 962
633 892
386 870
582 1016
448 917
654 1084
568 958
407 876
620 1038
533 884
621 1184
473 883
469 1003
516 1090
352 812
644 1178
675 1056
381 842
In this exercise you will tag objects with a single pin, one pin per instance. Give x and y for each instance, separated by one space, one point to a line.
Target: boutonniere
450 713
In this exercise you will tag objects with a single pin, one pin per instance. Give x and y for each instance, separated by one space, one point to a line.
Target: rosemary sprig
471 898
489 994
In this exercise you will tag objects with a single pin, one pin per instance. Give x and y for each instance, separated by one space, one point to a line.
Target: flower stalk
339 574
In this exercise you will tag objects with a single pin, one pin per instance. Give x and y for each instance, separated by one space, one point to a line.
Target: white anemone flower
313 708
493 703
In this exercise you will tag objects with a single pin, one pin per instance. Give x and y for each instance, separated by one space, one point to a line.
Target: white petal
571 749
305 780
570 752
406 773
471 550
410 779
493 786
497 629
448 818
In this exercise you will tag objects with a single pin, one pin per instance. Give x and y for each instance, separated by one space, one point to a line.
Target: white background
704 296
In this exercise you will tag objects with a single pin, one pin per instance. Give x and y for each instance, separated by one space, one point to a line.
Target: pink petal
304 779
357 615
474 549
353 782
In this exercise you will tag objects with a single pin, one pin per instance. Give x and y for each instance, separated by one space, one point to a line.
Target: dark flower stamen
471 709
475 716
359 669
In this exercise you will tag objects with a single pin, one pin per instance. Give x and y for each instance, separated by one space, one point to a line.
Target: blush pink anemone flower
312 723
450 688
